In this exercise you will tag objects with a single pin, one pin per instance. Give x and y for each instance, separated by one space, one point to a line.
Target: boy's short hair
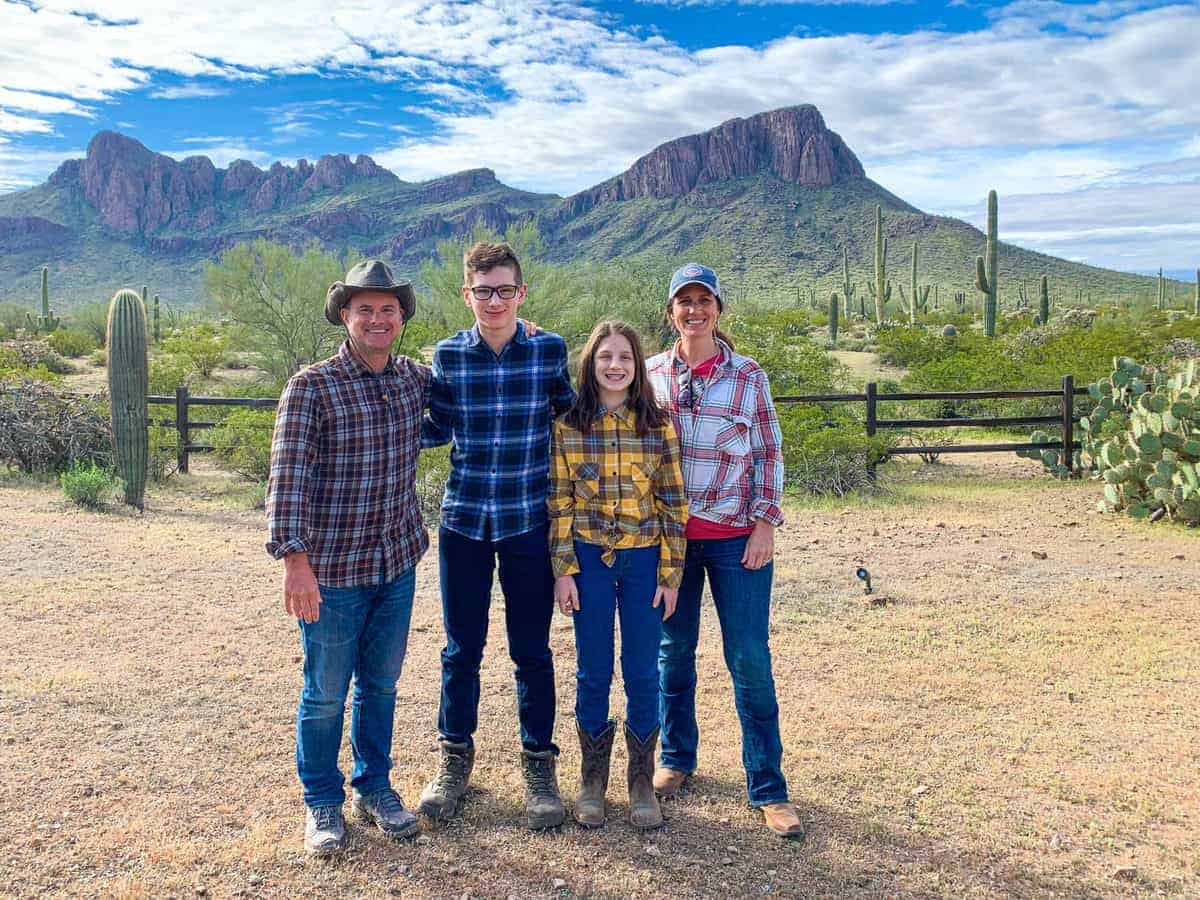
483 257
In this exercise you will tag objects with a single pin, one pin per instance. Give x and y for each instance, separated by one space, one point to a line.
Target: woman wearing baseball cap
720 405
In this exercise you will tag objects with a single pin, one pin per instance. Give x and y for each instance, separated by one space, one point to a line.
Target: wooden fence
1065 418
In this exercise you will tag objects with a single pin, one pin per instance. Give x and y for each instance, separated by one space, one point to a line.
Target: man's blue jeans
626 588
743 599
466 566
361 631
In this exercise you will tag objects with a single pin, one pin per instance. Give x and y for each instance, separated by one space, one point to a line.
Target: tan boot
668 782
589 805
783 820
644 811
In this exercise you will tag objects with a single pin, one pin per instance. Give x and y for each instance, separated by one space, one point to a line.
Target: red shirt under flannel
343 470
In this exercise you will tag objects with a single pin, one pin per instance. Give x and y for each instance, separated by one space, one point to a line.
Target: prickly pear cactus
128 383
1143 440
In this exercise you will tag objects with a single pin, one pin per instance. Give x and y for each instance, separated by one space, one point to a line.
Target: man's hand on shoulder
301 596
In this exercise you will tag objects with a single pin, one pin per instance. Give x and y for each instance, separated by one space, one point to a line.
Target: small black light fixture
864 576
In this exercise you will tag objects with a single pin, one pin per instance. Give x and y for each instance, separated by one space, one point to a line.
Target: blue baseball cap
694 273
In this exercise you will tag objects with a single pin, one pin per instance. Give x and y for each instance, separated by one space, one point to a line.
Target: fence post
1068 422
181 426
872 389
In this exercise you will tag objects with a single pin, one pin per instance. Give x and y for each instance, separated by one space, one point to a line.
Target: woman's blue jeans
627 589
361 632
743 600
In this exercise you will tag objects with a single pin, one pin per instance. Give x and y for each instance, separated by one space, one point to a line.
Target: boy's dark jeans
466 567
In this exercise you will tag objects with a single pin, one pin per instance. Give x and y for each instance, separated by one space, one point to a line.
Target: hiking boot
543 805
669 782
324 830
383 807
644 811
440 798
589 805
783 820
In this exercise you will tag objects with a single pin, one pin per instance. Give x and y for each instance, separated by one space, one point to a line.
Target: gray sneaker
543 805
383 807
324 831
440 798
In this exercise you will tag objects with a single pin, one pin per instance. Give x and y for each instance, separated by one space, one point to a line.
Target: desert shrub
433 468
202 347
92 320
794 365
97 359
243 441
827 451
169 372
907 346
31 354
43 431
88 485
12 319
71 343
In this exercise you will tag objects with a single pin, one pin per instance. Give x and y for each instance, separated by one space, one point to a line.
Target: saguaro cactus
987 274
1162 290
45 323
128 383
919 300
847 287
881 289
157 331
833 318
1044 300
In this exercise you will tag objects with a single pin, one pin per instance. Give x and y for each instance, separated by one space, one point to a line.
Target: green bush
827 450
433 468
12 319
88 485
243 441
14 368
202 347
32 354
71 343
794 364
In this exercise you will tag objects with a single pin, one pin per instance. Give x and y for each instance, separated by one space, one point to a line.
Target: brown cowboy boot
589 805
644 811
669 782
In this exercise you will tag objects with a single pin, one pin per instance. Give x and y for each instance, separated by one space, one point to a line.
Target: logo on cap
692 271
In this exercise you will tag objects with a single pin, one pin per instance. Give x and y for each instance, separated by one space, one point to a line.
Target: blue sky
1084 116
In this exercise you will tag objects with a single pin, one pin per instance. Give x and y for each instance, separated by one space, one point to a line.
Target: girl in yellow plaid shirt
617 517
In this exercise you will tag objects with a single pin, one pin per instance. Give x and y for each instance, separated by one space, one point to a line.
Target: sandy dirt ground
1016 713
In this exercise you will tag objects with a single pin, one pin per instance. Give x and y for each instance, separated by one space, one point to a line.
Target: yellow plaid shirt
618 491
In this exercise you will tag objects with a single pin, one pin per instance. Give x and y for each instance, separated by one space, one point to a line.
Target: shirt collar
475 338
723 349
622 412
354 366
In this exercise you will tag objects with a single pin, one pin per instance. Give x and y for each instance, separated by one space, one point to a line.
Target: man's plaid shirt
343 469
729 436
614 489
497 412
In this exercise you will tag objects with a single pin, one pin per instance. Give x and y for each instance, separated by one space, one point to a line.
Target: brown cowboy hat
368 275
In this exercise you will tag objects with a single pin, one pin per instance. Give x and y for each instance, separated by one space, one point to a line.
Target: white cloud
188 92
1052 97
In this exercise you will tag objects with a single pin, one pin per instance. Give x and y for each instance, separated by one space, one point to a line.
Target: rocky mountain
779 191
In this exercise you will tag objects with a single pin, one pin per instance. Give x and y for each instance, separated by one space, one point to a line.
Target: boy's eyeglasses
503 291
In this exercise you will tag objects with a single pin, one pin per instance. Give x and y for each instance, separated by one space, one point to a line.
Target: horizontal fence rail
871 398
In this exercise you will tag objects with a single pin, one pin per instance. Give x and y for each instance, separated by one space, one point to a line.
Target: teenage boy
495 392
343 516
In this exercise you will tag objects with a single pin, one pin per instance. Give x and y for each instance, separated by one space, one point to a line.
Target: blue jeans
361 631
466 567
627 587
743 600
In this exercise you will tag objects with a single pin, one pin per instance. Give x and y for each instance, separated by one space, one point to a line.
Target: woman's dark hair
717 332
647 413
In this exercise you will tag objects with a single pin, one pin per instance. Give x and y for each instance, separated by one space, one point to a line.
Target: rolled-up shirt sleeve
766 449
293 451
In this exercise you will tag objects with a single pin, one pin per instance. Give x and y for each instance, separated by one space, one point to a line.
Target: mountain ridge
779 188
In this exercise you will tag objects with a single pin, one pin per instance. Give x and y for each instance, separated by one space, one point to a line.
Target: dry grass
1004 726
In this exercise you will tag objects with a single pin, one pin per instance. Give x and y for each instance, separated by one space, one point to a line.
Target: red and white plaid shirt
728 436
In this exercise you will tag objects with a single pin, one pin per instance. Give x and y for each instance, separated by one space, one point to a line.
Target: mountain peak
791 143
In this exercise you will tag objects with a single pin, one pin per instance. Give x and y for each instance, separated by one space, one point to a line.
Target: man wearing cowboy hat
343 516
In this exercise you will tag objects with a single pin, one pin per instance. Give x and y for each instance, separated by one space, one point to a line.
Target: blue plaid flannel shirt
496 412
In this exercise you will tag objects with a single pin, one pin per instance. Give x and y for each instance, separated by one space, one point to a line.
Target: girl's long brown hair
647 413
